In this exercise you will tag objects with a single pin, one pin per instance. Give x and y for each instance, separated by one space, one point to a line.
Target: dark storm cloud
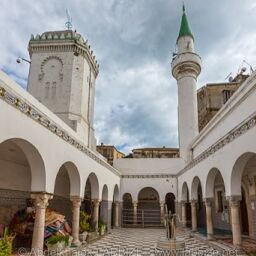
136 97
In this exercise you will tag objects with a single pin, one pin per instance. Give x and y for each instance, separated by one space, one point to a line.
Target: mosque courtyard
143 242
64 192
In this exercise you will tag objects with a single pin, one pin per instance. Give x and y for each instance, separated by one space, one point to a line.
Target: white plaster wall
149 166
187 115
145 166
37 87
240 106
161 185
73 100
224 160
18 178
53 150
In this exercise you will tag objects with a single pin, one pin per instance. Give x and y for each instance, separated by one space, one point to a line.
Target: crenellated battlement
70 41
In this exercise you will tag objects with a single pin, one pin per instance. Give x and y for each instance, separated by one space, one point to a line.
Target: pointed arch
17 146
237 173
105 193
73 182
196 184
94 182
210 181
185 192
116 194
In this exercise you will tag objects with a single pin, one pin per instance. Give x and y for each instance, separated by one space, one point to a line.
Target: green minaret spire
184 27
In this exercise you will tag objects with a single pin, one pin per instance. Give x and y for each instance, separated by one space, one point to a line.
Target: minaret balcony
186 64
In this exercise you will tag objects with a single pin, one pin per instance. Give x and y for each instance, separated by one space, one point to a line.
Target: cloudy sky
133 40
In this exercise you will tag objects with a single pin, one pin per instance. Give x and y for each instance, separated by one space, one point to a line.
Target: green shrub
6 244
84 221
55 239
5 248
102 226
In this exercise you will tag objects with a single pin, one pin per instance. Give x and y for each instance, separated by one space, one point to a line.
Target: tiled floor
142 242
249 245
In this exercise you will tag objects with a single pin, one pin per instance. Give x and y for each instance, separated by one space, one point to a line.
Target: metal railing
144 218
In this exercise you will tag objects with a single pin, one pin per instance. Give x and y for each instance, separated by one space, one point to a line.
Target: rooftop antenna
68 23
228 76
244 61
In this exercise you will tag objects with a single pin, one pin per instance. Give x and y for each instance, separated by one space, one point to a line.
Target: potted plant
6 244
57 243
102 228
84 226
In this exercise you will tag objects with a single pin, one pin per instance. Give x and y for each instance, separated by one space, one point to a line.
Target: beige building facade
109 152
155 153
212 97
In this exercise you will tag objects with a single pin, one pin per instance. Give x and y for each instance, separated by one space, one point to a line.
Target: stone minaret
62 76
186 66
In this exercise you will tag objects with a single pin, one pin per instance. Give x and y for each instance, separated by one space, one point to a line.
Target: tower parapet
73 41
186 67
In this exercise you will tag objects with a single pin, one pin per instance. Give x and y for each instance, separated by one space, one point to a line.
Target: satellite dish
230 79
243 69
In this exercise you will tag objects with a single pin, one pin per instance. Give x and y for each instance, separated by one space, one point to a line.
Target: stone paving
142 242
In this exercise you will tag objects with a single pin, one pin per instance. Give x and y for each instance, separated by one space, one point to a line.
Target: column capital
162 203
117 203
234 198
96 202
208 201
193 202
76 201
41 199
234 203
135 203
183 202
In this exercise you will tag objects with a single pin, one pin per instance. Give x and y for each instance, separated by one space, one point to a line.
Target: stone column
95 216
135 206
209 224
109 215
162 204
117 215
235 221
76 202
41 203
194 215
184 214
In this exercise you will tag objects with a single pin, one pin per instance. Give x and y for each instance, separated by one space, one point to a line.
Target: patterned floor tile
142 242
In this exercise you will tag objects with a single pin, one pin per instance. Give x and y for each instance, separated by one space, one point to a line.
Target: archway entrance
127 211
244 213
148 212
198 221
61 199
243 183
21 172
170 202
115 216
216 193
127 201
185 198
105 208
201 212
90 203
87 201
